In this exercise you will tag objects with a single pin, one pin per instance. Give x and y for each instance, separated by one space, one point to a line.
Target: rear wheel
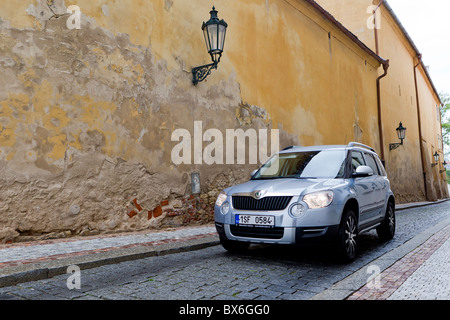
348 235
234 246
386 230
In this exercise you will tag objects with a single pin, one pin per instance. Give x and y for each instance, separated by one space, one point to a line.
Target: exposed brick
131 214
136 204
164 203
175 213
150 215
157 212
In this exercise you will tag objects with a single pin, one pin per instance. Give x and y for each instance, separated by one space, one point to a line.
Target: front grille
255 232
264 204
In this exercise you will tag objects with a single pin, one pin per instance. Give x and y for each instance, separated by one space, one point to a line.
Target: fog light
297 210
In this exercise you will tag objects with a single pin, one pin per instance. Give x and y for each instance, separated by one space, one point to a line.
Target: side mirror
363 171
253 173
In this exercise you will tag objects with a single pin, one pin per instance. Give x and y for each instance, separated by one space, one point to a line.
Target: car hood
294 187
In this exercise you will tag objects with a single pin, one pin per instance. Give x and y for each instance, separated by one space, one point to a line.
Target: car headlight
225 208
318 200
222 197
296 210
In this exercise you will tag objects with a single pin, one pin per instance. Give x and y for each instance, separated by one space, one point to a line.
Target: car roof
351 145
312 148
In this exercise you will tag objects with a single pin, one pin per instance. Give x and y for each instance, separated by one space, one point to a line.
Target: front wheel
348 235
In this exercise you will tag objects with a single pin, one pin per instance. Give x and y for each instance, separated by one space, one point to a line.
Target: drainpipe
377 49
380 128
385 68
419 122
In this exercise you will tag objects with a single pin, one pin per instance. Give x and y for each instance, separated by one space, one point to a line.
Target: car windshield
326 164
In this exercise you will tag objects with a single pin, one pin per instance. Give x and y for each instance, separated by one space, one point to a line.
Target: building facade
102 129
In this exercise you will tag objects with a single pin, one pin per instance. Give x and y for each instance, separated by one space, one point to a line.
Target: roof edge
347 32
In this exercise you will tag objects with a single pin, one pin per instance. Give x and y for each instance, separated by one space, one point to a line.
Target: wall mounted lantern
445 169
401 133
436 159
214 31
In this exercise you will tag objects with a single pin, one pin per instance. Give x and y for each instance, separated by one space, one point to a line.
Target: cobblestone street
264 272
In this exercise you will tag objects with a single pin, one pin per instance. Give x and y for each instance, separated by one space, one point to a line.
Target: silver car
307 194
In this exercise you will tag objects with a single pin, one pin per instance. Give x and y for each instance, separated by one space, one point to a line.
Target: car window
325 164
380 167
371 163
357 160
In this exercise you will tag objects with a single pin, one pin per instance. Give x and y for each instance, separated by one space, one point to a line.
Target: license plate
256 221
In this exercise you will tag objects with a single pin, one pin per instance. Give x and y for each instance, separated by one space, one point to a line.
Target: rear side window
372 163
380 167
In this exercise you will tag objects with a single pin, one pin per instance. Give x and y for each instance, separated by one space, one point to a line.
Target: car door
385 184
378 189
364 187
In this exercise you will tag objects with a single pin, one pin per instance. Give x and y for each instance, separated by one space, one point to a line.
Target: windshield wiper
270 178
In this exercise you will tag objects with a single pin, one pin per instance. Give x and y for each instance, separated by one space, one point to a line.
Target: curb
400 207
33 272
346 287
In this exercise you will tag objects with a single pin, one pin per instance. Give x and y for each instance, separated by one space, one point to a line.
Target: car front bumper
313 226
278 235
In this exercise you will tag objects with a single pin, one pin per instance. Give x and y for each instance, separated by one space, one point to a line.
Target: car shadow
369 248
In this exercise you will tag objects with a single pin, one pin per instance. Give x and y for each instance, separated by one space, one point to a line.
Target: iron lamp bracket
200 73
394 146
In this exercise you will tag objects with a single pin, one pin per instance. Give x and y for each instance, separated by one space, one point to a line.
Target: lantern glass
222 34
436 157
208 43
401 132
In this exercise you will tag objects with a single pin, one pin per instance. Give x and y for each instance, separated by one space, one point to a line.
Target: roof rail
353 144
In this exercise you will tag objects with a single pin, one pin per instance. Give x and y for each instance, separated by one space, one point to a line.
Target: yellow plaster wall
431 128
398 100
86 116
312 84
355 15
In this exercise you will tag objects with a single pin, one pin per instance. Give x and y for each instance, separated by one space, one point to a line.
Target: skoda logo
258 194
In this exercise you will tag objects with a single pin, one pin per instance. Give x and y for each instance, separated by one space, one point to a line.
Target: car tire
386 230
234 246
348 236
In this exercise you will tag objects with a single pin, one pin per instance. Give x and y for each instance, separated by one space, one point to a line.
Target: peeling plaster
86 118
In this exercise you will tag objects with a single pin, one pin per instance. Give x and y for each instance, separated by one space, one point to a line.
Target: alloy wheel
350 236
